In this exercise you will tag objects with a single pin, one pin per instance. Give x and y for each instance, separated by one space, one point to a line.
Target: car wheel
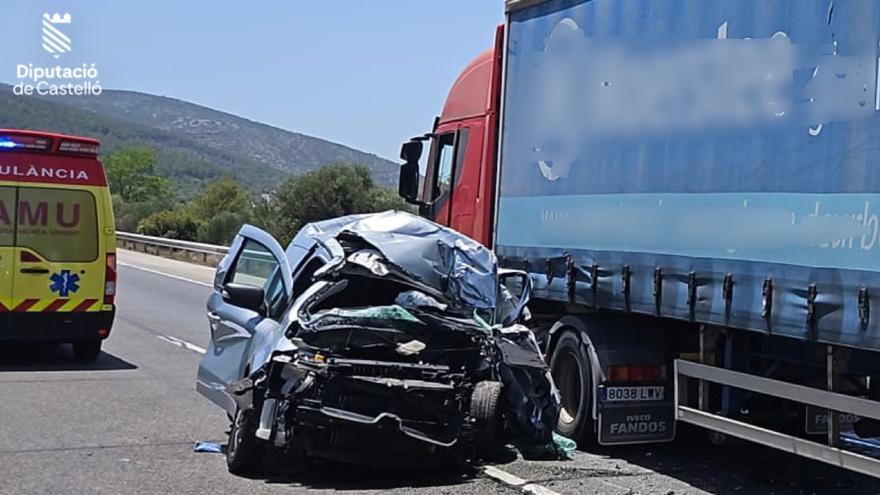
486 411
571 370
244 452
87 350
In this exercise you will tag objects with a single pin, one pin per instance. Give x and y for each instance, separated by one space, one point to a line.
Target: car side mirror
408 185
511 307
245 296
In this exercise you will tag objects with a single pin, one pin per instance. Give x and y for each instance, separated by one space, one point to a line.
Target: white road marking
157 272
182 343
515 481
615 485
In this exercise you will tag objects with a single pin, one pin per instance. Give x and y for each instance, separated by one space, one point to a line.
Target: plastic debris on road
564 444
208 447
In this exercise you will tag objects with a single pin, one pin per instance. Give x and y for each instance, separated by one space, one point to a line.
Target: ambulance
57 241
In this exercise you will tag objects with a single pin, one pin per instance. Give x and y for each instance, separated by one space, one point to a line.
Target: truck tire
572 373
244 452
486 411
87 350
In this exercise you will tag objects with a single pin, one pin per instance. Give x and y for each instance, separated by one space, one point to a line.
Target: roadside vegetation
145 202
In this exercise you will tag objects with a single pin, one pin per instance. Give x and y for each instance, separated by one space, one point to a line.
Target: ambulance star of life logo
54 40
64 283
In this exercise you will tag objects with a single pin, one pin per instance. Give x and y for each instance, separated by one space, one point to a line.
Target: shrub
171 224
221 229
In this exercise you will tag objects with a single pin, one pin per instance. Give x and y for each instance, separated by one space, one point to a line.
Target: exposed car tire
244 452
87 350
486 411
572 373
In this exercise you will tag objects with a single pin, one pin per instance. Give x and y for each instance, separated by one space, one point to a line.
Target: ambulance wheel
571 370
86 350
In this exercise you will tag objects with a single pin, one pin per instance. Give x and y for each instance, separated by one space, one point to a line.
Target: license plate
621 394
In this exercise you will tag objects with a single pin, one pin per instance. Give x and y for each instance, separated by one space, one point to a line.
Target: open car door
252 287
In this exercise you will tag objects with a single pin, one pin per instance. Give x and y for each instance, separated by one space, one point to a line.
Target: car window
275 299
255 266
58 224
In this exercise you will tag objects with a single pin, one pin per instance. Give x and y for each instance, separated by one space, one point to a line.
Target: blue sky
365 73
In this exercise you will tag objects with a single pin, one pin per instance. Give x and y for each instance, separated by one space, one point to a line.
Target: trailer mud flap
636 422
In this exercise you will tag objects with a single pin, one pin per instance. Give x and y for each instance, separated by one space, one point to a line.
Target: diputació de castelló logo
55 41
79 79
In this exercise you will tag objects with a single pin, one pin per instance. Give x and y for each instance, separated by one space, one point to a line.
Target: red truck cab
456 187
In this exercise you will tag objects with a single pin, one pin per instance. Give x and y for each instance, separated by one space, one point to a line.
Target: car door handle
35 270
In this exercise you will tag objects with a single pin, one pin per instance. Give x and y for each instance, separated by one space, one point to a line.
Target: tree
386 199
330 191
224 195
221 228
129 215
327 192
131 174
266 216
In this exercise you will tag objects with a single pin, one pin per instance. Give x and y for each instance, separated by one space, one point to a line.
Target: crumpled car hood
460 270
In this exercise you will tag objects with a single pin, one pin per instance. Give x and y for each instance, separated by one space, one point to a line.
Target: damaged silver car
378 339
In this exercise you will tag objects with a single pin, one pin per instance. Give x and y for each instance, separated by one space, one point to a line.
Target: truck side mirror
408 185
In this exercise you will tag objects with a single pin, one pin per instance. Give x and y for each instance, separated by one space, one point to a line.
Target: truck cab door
454 178
467 179
255 260
439 178
7 251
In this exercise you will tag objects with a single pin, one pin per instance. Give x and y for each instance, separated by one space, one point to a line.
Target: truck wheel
244 452
87 350
571 370
486 411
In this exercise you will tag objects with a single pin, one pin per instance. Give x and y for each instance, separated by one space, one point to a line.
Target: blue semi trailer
694 188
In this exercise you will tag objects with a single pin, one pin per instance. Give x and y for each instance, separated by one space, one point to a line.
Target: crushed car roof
455 266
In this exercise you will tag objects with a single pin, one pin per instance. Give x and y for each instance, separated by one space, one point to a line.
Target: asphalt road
127 423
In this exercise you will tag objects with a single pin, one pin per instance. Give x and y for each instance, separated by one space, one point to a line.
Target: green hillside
195 144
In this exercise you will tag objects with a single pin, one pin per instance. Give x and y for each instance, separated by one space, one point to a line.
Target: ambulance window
7 215
58 224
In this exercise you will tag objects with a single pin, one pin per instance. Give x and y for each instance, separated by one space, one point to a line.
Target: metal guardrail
834 402
207 254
